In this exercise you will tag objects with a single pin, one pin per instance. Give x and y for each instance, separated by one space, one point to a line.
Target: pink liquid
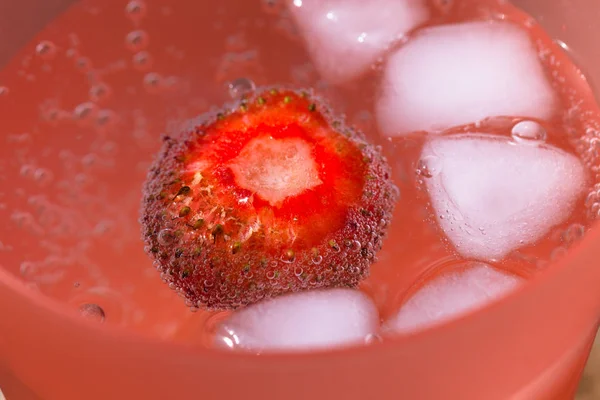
83 108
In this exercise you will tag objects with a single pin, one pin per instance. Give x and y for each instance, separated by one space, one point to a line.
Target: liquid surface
83 114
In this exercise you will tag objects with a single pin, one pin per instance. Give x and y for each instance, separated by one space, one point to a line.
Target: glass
531 345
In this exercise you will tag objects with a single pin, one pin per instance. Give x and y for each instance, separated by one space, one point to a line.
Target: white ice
491 195
457 74
302 321
449 295
345 37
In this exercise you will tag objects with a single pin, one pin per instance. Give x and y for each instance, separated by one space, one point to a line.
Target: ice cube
457 74
492 195
449 295
344 37
301 321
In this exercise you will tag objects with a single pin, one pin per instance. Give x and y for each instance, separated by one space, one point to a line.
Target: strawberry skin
271 195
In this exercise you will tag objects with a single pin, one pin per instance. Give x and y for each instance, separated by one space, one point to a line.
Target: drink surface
501 184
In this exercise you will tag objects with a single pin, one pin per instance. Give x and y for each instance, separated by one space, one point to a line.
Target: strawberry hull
271 195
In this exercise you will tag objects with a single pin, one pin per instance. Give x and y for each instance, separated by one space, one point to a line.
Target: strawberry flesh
270 196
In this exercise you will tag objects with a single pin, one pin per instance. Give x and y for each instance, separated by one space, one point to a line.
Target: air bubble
89 160
42 176
46 50
137 40
429 166
83 64
166 237
135 10
272 6
152 82
92 312
27 269
99 92
105 117
27 170
558 253
372 338
443 5
528 132
240 87
109 148
84 111
573 233
142 61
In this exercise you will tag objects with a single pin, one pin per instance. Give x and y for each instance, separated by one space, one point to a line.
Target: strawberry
271 195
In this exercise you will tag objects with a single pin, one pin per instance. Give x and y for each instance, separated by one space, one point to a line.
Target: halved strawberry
271 195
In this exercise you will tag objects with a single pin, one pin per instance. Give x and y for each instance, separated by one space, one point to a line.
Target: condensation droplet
135 10
317 259
528 132
4 91
92 311
429 166
142 61
137 40
240 87
46 50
